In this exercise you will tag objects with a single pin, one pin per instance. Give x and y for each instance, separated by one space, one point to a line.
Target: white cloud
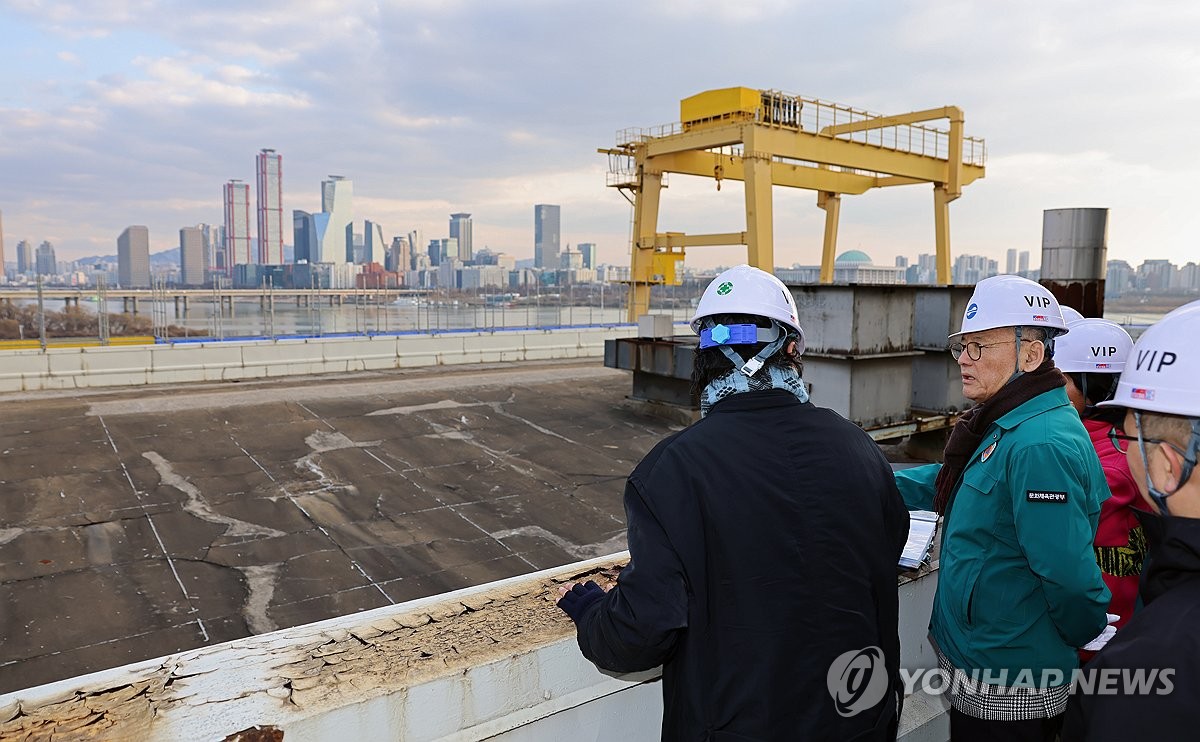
490 107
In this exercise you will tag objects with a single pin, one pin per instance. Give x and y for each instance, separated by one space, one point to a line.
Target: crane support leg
645 227
941 231
759 212
832 203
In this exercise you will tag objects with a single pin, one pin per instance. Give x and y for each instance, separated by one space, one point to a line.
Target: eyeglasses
974 349
1121 441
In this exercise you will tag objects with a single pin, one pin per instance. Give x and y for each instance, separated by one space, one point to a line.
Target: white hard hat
1093 346
747 290
1163 373
1071 315
1011 301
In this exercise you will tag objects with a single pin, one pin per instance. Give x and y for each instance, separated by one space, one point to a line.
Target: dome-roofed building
853 257
852 266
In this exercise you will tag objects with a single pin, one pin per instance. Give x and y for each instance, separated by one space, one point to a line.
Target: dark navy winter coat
763 542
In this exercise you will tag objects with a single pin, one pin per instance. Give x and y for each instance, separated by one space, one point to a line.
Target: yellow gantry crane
766 138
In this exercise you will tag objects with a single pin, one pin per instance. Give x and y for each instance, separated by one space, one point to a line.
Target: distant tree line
20 321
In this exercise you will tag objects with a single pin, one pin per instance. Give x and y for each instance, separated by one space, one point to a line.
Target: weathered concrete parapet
421 670
497 661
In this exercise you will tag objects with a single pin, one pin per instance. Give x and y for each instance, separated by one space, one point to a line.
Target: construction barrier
174 362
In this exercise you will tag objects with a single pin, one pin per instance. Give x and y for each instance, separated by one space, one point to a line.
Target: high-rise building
1023 262
133 258
220 259
588 250
354 245
1010 261
570 259
374 248
269 166
400 255
24 257
1 246
337 202
1155 274
1118 278
414 247
214 239
46 264
237 224
191 256
443 250
546 231
971 269
460 229
303 242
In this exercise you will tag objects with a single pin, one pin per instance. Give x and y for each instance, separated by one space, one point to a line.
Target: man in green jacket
1019 590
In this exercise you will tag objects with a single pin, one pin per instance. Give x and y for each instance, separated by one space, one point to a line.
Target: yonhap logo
857 680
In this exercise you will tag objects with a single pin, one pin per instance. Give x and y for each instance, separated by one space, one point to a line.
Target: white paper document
922 525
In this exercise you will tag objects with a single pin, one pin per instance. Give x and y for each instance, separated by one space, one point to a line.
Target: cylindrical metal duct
1074 257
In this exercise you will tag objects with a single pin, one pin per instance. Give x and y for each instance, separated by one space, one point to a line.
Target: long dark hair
711 363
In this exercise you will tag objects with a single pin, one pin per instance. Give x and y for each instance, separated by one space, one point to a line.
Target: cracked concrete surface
138 523
307 670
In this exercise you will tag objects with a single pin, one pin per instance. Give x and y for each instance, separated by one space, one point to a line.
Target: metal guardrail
814 114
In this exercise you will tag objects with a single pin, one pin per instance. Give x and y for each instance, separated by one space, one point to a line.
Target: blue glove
576 601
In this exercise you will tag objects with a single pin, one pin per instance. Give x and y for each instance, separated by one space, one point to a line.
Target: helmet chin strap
1017 372
1048 344
752 366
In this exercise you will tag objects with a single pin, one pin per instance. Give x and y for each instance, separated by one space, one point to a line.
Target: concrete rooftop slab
140 522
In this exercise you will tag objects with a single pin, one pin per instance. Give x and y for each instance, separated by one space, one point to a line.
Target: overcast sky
119 112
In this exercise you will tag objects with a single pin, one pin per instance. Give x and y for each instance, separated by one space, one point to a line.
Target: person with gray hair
1019 492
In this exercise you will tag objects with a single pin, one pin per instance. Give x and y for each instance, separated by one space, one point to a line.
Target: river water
250 319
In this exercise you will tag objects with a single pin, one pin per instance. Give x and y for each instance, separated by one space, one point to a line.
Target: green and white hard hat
744 289
1011 301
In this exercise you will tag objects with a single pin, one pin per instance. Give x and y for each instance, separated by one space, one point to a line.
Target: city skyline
126 113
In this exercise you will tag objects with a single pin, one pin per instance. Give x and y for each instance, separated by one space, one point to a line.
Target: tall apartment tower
269 167
133 258
588 250
460 229
47 265
337 200
1023 262
1 245
191 256
237 225
400 256
1010 261
213 240
546 232
303 244
24 257
374 248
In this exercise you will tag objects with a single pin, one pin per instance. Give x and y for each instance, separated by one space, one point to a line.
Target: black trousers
965 728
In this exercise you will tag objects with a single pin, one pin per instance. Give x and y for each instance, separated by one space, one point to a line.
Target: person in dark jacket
1144 683
763 546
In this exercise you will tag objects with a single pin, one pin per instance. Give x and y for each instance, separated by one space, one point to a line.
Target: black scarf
969 430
